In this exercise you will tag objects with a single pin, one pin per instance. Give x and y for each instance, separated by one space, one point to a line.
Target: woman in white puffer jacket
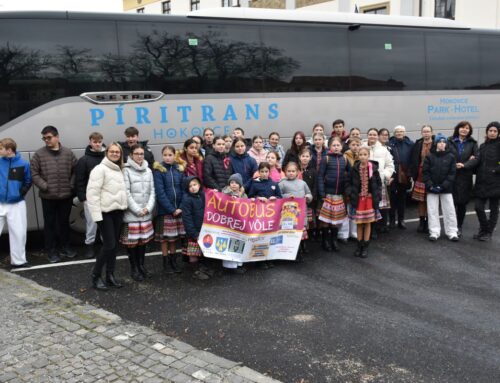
138 229
107 199
381 154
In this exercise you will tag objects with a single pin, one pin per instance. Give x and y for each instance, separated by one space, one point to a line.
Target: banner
247 230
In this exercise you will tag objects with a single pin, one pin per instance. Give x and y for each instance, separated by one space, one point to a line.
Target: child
308 174
235 189
193 208
168 179
216 166
318 149
273 144
331 184
298 143
137 229
257 150
275 173
364 189
439 172
15 181
348 228
317 129
291 186
240 161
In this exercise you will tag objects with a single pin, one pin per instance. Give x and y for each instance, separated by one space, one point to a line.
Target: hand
472 157
177 212
145 211
262 199
390 181
273 198
460 165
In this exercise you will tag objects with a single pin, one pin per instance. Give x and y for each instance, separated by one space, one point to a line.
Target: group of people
354 188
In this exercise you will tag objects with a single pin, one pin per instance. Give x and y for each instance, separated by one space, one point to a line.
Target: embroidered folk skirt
333 210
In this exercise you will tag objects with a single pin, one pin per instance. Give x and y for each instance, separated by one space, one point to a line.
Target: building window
376 9
445 9
195 5
140 10
230 3
166 7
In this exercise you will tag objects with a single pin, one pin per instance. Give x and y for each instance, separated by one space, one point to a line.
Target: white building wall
478 13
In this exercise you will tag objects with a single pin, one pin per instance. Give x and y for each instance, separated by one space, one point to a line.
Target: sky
63 5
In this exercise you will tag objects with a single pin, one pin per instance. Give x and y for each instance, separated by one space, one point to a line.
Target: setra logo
121 97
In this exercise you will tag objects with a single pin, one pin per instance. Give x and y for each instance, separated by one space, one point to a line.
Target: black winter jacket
310 177
488 170
83 168
332 175
353 185
193 208
462 190
415 158
439 170
216 170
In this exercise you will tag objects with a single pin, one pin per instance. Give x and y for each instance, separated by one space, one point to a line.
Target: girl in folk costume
240 160
168 177
308 173
364 190
331 183
193 208
298 143
107 199
275 172
383 157
216 166
420 150
349 227
257 151
292 186
235 190
190 159
318 149
138 230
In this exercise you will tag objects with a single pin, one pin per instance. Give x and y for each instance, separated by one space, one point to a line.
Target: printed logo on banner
276 240
221 244
208 241
236 246
260 250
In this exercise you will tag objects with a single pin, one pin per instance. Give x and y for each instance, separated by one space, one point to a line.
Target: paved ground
414 311
47 336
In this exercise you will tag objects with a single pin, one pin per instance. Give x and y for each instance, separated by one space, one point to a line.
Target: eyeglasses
114 152
47 138
138 154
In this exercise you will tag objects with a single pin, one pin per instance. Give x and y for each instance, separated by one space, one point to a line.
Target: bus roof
326 17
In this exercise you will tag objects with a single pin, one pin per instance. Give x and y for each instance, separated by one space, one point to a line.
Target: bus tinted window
387 59
452 60
490 62
43 60
191 58
305 58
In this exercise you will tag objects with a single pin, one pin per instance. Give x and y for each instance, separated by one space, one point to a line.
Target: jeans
110 231
56 222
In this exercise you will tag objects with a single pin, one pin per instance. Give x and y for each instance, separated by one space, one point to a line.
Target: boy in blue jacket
15 181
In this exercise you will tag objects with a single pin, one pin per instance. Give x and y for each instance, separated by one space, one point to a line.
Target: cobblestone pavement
47 336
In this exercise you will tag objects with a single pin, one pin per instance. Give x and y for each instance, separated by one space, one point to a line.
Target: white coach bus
262 70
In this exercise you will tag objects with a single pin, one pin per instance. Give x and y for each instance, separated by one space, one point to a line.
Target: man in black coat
132 135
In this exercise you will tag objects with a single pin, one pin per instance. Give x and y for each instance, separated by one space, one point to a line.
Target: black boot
167 266
359 247
392 221
112 281
421 225
98 283
325 244
134 271
333 239
89 251
173 263
305 250
364 249
426 226
141 257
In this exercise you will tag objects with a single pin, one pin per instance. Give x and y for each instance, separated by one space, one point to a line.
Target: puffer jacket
353 185
462 190
216 170
148 154
83 168
263 188
488 170
439 170
106 190
193 208
53 172
244 165
258 156
314 156
383 157
168 181
140 191
332 175
15 178
310 177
